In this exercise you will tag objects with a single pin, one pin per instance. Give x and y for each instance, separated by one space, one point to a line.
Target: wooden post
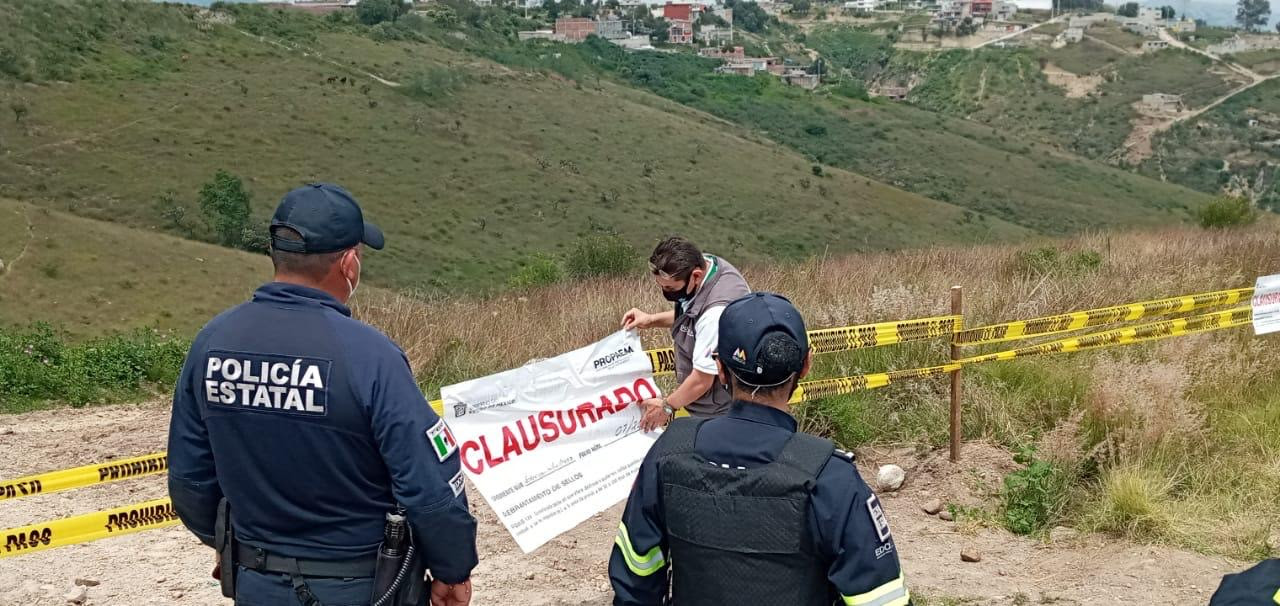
957 309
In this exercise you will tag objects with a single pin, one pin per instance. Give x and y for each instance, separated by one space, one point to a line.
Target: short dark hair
676 257
314 266
778 352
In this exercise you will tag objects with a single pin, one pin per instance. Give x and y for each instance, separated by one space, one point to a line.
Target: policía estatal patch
442 440
267 383
877 518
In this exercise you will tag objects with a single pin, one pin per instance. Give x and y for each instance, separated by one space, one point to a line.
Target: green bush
436 83
226 208
1227 212
38 366
540 270
1033 496
593 256
1049 260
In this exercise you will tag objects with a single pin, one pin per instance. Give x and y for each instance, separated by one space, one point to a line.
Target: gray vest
720 288
741 536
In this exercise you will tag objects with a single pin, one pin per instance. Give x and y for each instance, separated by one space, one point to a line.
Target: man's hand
636 319
444 594
653 416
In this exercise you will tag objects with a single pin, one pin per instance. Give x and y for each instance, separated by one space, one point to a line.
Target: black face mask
676 296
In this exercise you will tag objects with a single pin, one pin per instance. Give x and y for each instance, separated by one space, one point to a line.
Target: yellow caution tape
54 481
808 391
88 527
1077 320
845 338
1126 336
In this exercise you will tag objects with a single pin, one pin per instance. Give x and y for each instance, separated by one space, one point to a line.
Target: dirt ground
168 566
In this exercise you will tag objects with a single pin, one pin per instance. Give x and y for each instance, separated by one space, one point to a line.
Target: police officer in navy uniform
312 427
1257 586
744 509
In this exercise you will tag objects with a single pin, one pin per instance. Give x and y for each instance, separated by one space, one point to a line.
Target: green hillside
1236 145
91 277
469 166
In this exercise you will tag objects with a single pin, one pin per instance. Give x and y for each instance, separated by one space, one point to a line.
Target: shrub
1048 260
373 12
540 270
1227 212
1033 496
601 255
436 83
225 205
1132 503
38 366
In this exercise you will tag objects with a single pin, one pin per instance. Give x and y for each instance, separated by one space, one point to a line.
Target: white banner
556 441
1266 305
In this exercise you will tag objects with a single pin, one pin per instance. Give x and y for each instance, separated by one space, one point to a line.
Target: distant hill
476 153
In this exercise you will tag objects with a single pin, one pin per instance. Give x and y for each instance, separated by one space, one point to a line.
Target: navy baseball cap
328 218
746 324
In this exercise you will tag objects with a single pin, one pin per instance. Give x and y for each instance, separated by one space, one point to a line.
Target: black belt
260 560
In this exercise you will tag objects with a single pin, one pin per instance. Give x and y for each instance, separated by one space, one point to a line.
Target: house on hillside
678 12
1162 103
611 29
680 32
1154 45
1142 28
981 8
714 35
735 55
1181 26
574 29
1072 35
862 5
799 77
1004 11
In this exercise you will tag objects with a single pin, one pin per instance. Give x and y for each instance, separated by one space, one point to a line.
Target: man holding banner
745 508
700 286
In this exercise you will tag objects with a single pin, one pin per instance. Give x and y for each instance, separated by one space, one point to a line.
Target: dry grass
1175 441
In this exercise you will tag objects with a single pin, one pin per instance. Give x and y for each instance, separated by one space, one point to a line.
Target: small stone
177 594
890 478
88 582
932 507
77 594
161 580
945 516
528 576
969 554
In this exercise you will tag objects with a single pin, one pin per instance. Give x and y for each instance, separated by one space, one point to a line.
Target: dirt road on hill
168 566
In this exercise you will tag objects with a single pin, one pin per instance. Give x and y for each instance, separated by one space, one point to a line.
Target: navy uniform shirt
311 424
846 520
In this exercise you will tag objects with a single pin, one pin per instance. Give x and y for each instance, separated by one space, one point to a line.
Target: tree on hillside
1167 12
1278 28
373 12
1252 15
749 16
225 205
1128 9
800 7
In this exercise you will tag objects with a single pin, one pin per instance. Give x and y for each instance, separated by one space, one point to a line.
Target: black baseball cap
747 324
328 218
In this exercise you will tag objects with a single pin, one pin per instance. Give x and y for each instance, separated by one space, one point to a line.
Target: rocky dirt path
169 567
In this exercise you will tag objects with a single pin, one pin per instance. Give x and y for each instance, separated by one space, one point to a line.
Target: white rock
890 478
77 594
